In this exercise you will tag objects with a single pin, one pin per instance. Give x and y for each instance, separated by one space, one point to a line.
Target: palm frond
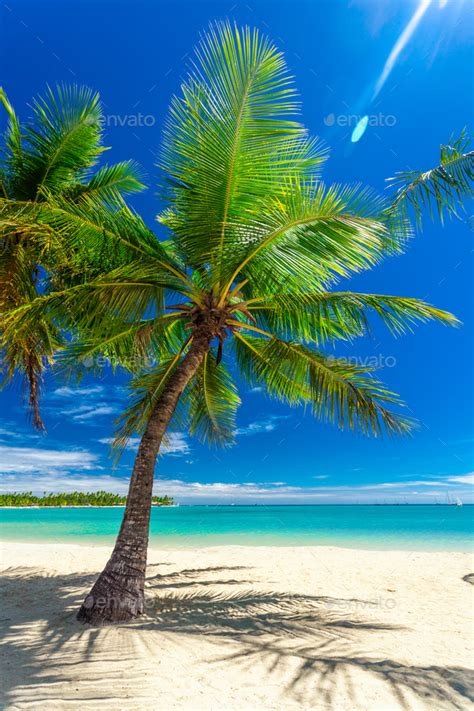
337 391
62 142
211 403
145 390
21 222
310 237
329 316
12 151
441 189
230 139
99 305
26 356
107 238
134 346
110 184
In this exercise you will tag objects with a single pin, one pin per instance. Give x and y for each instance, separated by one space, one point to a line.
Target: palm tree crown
50 158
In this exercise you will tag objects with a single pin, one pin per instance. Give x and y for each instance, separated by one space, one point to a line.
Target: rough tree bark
118 594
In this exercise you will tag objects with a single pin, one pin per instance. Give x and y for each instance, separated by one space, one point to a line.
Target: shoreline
174 506
28 547
201 545
248 627
71 506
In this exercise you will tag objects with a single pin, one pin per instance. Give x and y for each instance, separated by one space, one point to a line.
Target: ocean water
373 527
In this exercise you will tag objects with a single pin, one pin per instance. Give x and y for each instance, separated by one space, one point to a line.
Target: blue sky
134 54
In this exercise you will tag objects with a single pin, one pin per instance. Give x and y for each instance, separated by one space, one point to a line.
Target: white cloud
85 413
464 479
12 434
7 433
321 476
223 491
401 485
9 430
176 444
31 459
267 425
256 390
132 443
79 392
281 492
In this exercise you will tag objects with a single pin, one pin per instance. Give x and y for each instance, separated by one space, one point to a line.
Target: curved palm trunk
118 594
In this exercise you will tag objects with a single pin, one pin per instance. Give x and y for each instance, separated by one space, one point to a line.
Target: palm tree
244 282
51 157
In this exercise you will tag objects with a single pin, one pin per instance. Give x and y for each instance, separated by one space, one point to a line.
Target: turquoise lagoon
409 527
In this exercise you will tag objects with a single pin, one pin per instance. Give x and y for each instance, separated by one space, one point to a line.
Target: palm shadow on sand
315 637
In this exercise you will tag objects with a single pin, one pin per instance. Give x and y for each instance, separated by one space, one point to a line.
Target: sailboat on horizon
453 501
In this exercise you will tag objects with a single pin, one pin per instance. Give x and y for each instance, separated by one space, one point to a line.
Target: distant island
73 498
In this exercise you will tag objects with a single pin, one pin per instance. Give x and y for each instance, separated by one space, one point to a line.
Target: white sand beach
245 628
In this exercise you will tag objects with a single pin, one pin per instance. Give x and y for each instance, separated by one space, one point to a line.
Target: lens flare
359 130
400 44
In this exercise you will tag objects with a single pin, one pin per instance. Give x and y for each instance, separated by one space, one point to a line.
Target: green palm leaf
441 189
132 346
337 391
230 139
211 403
329 316
110 184
311 236
12 152
145 390
62 141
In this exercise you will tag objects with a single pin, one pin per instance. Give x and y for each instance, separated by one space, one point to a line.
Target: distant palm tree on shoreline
256 243
17 499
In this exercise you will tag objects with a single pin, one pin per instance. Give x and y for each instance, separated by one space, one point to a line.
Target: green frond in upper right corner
441 190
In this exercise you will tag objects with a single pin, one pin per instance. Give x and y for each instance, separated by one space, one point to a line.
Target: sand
244 628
